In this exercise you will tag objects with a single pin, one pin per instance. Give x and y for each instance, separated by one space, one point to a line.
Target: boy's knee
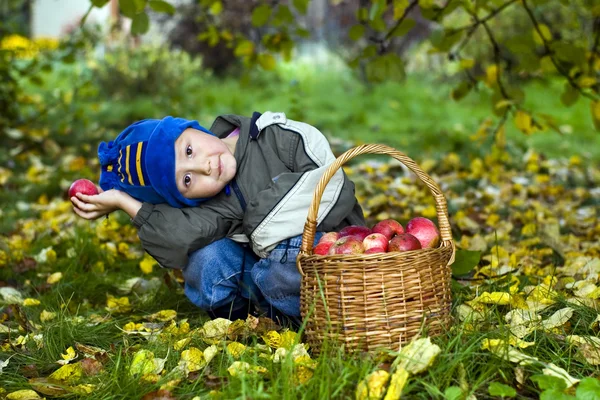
212 274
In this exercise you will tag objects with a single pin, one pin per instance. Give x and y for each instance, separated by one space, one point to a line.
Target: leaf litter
530 225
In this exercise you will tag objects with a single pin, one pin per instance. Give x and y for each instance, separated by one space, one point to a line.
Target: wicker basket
369 301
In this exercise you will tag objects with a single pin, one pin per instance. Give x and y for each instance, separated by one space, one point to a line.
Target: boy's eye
188 151
187 179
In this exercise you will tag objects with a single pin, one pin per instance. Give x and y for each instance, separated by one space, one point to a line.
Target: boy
236 197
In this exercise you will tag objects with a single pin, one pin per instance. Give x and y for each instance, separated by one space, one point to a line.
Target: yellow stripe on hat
120 166
138 163
127 165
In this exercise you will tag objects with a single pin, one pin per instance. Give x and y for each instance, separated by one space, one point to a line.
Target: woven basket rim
310 227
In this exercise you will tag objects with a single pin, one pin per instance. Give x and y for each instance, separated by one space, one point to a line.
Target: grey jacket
279 163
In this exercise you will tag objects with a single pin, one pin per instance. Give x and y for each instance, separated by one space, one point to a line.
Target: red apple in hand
375 240
404 242
424 230
355 230
347 245
83 186
388 227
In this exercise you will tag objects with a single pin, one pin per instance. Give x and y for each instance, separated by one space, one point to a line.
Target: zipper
239 194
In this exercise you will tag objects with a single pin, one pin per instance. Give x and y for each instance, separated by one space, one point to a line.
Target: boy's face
204 164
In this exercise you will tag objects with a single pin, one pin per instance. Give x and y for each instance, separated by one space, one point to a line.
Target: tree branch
472 28
402 18
491 15
441 10
594 49
497 59
551 54
466 71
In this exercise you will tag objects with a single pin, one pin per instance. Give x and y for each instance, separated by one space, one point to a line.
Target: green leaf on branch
377 9
140 24
400 7
301 5
210 36
569 53
546 34
378 24
130 8
244 48
261 15
569 96
426 4
443 40
595 108
525 123
162 7
461 90
216 8
502 390
516 94
362 14
465 261
283 16
404 27
588 389
303 33
267 61
356 32
385 67
99 3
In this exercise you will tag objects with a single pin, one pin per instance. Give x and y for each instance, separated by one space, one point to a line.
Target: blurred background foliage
429 77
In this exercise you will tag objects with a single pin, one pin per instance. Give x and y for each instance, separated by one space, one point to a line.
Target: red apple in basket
347 245
329 237
325 243
375 240
404 242
373 250
83 186
424 230
355 230
388 227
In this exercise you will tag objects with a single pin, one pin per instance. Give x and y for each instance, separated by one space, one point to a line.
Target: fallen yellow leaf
373 386
54 278
24 394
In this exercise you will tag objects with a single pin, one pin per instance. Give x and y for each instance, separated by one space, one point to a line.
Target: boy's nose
203 168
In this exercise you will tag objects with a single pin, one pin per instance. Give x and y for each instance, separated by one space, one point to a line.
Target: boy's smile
204 164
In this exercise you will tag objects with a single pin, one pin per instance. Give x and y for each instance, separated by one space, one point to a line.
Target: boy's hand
96 206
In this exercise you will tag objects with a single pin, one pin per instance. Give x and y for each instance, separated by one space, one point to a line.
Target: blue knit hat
141 161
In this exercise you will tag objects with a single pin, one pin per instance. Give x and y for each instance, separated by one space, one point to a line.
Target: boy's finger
83 214
78 212
78 203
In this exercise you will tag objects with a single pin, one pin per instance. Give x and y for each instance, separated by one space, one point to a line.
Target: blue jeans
213 276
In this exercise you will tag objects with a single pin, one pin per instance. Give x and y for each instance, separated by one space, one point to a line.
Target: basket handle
310 226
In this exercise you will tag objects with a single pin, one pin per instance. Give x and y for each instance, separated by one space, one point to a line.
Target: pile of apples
386 236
